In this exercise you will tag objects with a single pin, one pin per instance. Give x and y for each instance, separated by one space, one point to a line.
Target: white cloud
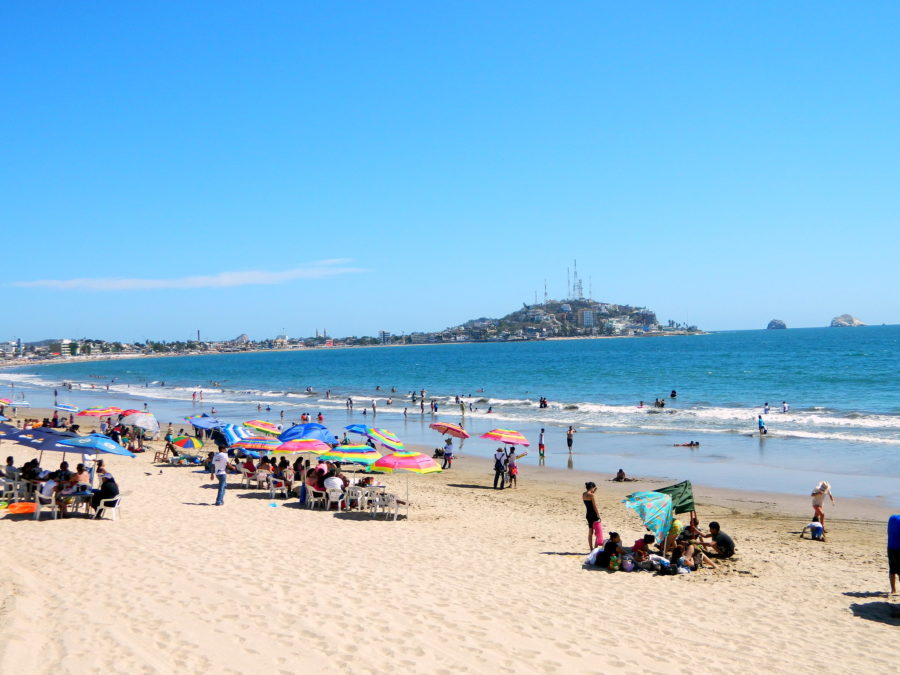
316 270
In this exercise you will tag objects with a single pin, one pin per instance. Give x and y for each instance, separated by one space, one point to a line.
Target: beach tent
682 495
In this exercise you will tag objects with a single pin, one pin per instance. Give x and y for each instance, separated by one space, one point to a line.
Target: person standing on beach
448 453
595 527
500 468
570 434
785 407
766 408
762 425
220 470
541 448
893 551
818 501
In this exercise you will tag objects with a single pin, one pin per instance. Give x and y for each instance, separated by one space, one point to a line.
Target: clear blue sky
357 166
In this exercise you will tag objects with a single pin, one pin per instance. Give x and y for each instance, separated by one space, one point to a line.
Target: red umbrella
449 429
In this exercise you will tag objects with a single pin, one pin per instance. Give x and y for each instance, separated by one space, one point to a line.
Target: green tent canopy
682 495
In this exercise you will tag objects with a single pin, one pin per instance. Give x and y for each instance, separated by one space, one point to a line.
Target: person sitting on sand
641 549
613 546
816 531
721 544
693 556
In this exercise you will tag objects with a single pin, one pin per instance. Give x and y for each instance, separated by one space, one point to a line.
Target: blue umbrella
4 419
97 442
310 430
205 422
654 510
361 429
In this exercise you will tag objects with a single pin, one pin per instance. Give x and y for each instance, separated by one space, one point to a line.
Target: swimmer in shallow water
692 444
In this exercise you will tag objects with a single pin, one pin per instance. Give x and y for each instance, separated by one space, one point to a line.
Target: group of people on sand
59 486
684 549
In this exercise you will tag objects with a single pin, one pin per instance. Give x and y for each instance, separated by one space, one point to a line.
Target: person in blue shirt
893 546
762 425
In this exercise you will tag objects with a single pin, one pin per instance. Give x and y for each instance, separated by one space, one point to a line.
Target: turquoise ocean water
841 384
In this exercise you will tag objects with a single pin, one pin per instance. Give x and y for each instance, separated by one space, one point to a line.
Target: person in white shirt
220 470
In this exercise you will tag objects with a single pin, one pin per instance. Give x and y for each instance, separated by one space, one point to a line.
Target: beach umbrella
206 422
99 412
67 407
416 462
263 426
261 443
313 446
506 436
130 411
309 430
235 432
655 511
187 442
386 438
353 454
361 429
448 429
98 443
413 462
4 419
142 420
5 401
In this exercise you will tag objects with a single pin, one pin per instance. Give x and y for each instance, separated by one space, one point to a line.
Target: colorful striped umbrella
187 442
449 429
298 445
235 432
386 438
130 411
354 454
415 462
100 412
5 401
507 436
261 443
67 407
263 426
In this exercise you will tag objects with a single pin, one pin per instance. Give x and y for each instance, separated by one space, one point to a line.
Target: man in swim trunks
541 446
570 437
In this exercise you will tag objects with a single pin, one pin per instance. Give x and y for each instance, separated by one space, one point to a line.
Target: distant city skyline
407 167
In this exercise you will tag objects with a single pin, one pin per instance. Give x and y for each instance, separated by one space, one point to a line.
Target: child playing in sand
816 531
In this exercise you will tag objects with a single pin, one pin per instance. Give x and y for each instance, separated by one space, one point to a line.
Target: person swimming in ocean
692 444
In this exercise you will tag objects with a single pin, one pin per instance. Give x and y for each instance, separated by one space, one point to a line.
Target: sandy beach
475 580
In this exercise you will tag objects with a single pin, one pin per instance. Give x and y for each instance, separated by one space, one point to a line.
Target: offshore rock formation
845 320
776 324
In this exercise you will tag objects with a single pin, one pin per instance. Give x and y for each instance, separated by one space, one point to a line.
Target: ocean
841 385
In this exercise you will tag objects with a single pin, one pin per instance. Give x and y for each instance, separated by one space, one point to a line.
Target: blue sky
253 167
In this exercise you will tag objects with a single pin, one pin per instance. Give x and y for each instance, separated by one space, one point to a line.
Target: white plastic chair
111 504
354 494
335 496
314 497
52 507
9 491
275 484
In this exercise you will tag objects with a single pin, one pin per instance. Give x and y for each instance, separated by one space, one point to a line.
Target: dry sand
475 580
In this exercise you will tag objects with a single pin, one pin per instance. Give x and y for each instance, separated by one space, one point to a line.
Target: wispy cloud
314 270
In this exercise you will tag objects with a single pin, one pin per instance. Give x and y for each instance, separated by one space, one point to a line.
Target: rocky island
776 324
845 320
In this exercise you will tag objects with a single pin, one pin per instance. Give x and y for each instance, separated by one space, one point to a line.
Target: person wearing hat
108 490
818 501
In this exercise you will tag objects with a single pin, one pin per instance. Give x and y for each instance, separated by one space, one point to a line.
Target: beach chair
354 494
335 496
314 497
161 456
52 507
390 503
112 505
9 490
275 484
